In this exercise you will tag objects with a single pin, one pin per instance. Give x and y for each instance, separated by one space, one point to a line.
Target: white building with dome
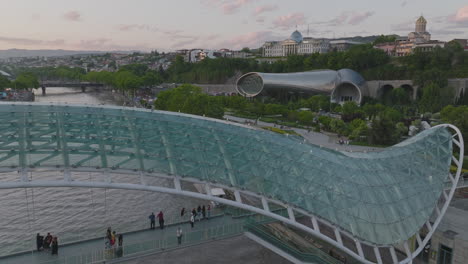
295 44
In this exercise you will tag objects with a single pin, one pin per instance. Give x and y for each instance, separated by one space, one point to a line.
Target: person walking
47 241
179 235
161 219
152 219
113 237
199 213
209 211
108 238
194 213
192 219
182 212
203 212
39 241
54 246
120 240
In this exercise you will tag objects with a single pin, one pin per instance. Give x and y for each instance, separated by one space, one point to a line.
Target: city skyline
162 25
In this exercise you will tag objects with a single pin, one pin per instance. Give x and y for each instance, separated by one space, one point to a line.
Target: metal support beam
315 224
291 214
265 204
208 190
377 255
177 184
359 249
237 196
407 250
393 254
338 236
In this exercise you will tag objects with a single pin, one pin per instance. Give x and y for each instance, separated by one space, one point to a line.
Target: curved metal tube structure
339 83
377 200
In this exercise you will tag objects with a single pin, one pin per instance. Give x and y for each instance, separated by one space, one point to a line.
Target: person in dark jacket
54 246
39 241
203 210
152 218
182 212
47 241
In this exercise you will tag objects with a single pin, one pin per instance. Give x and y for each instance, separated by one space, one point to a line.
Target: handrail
315 256
190 238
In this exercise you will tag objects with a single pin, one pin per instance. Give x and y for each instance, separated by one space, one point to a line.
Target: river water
76 213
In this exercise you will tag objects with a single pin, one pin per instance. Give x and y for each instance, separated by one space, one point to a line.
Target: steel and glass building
343 85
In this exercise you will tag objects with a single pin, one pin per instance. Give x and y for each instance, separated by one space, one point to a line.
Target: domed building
295 44
296 36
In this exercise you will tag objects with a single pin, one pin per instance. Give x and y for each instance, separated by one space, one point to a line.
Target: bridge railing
153 246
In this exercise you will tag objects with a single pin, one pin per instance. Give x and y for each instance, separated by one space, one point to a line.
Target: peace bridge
377 201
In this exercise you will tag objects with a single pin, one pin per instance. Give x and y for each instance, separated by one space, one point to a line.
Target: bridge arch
274 168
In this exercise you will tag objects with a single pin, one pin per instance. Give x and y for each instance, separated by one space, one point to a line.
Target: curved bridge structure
373 202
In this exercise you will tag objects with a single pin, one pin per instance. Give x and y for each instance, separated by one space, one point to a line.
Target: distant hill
14 53
365 39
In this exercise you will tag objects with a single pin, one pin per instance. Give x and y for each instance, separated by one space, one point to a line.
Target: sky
166 25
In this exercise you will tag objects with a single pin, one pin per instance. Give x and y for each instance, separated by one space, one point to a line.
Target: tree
127 81
384 39
189 99
358 129
338 126
26 80
456 115
306 117
350 110
383 131
4 82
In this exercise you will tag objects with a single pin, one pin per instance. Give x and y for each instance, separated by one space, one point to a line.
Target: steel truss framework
54 138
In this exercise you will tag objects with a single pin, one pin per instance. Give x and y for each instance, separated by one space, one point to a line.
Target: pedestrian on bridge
182 212
192 219
161 219
179 235
152 219
54 246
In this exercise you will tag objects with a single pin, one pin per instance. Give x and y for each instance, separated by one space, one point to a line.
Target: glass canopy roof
382 198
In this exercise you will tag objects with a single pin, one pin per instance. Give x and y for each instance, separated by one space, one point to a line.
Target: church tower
421 25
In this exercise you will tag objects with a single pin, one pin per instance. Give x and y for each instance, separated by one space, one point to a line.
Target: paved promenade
319 139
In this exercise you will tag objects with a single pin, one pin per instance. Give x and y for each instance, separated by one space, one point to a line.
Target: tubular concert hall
343 85
373 203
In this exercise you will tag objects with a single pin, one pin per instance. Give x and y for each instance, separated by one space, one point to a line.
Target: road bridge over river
74 84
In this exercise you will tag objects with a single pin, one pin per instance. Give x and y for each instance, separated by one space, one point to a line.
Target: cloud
228 7
290 20
446 31
106 44
406 26
358 18
32 42
347 17
133 27
460 17
404 3
252 39
264 8
260 19
234 6
337 21
72 16
35 17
